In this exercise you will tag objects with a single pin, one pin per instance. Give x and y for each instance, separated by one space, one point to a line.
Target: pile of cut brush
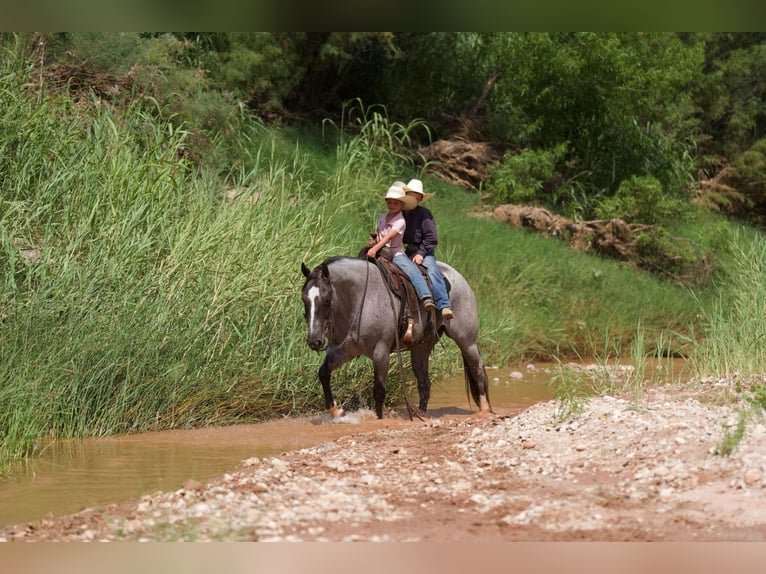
611 237
647 246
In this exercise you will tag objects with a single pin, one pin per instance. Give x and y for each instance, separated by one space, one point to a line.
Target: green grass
735 321
732 437
140 291
733 344
541 299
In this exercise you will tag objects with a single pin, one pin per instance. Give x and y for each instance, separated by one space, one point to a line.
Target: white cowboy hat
396 191
417 186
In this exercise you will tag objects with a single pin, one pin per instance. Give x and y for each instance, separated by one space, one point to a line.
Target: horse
348 303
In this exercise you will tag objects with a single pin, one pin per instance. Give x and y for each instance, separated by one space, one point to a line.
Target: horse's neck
351 286
349 281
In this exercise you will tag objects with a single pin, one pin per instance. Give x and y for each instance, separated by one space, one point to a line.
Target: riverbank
629 470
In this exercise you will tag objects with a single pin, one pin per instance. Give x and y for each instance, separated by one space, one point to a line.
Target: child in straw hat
391 230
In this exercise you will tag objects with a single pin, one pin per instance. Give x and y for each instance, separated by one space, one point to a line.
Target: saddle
401 287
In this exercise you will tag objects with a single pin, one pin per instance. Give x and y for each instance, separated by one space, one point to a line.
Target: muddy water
73 475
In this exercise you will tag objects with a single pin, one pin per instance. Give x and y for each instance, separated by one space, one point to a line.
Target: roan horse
348 302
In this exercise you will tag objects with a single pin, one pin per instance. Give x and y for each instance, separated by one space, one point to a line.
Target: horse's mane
340 258
335 258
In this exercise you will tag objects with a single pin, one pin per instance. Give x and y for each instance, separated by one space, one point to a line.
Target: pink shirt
397 222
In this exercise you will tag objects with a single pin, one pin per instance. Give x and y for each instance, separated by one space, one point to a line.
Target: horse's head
317 304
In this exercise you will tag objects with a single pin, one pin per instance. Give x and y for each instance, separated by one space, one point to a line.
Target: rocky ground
624 469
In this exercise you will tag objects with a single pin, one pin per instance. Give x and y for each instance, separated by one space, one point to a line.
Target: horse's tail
473 385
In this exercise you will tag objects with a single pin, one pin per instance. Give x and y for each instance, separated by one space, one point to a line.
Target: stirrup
408 335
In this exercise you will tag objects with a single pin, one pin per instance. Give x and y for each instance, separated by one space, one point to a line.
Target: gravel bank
621 470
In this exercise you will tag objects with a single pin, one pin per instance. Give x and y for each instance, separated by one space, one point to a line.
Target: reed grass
612 372
735 336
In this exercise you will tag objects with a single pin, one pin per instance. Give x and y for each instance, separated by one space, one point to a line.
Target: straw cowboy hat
417 186
396 191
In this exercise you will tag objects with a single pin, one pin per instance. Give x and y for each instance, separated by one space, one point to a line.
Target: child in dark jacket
421 239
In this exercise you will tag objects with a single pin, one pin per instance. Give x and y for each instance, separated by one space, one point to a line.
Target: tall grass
154 297
735 336
368 140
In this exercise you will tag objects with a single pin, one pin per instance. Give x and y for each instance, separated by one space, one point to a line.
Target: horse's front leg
333 359
380 361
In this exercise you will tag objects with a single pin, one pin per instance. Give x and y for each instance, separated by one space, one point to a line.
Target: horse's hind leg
476 376
420 358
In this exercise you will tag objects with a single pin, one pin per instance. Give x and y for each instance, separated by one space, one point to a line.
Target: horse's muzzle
315 343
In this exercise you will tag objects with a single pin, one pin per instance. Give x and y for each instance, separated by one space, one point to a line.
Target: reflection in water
510 390
77 474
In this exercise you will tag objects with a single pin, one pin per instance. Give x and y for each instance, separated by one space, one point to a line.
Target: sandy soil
624 469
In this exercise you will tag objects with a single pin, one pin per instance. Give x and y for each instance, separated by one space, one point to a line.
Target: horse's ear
305 270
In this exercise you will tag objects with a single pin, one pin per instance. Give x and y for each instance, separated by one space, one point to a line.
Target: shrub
641 199
520 178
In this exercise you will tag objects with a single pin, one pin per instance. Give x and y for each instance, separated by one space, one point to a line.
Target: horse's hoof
335 412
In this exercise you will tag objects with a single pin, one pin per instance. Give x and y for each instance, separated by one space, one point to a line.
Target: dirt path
643 470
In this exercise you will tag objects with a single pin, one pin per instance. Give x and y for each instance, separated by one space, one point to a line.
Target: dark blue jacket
420 233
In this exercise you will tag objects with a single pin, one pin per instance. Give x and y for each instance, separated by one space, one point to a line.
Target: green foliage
745 184
753 392
104 52
571 391
625 105
601 93
435 73
520 177
301 71
256 67
604 98
750 165
642 199
730 95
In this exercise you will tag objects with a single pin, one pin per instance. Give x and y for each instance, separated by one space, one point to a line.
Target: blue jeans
409 267
438 287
